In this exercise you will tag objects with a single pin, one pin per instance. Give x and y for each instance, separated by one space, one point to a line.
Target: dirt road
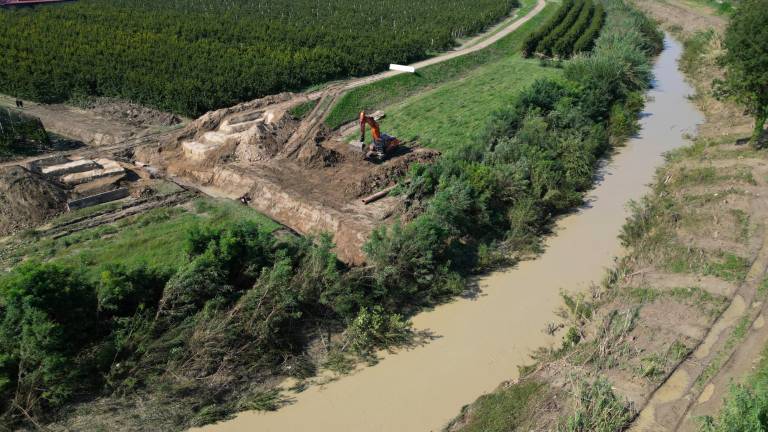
480 342
475 44
332 92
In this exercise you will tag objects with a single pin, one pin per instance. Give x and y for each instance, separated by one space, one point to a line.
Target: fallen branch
378 195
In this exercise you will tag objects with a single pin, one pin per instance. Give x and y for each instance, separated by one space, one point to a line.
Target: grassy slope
155 238
457 112
396 89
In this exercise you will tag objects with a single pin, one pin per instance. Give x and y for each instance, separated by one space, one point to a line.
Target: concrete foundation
107 168
70 167
98 199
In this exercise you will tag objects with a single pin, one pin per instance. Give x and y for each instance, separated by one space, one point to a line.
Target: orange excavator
383 145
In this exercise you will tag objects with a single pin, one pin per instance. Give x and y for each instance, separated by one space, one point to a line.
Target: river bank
693 280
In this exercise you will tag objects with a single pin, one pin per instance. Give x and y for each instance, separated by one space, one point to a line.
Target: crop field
190 56
571 30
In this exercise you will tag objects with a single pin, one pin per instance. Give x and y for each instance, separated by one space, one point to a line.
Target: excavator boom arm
375 132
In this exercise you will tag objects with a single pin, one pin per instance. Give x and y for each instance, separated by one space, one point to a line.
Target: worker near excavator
382 144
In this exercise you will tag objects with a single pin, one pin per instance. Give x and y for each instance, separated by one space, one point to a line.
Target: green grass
746 406
300 111
396 89
505 410
456 113
155 238
724 265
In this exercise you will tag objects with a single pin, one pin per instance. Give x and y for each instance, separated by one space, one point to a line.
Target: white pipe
401 68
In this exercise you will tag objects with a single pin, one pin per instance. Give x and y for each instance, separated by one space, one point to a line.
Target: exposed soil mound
296 170
212 119
386 174
27 199
131 113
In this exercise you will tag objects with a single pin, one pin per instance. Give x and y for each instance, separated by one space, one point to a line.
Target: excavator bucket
357 146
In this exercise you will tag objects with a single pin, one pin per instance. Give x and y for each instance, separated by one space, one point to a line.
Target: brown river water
480 342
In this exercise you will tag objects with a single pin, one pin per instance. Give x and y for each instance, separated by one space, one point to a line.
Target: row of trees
190 56
571 30
746 63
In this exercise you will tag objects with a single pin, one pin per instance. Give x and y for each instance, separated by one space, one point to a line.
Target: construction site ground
101 123
293 170
296 170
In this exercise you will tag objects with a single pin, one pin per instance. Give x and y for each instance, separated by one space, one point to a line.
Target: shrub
377 329
48 317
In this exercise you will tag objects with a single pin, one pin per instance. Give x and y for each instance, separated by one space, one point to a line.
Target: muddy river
481 342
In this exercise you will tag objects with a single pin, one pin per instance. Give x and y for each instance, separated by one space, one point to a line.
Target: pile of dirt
296 170
212 119
27 199
267 139
384 175
131 113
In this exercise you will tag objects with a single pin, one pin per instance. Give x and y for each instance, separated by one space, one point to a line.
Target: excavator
382 146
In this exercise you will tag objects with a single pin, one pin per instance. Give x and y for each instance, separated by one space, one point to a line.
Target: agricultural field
191 56
573 29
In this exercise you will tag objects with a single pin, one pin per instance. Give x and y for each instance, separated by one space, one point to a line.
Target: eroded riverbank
481 342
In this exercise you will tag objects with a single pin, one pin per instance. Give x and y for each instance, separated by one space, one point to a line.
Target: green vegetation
695 48
746 407
191 309
746 62
507 409
300 111
155 238
597 409
571 30
216 54
723 7
395 89
20 134
455 113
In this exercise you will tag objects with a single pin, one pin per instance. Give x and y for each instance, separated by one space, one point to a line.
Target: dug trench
477 343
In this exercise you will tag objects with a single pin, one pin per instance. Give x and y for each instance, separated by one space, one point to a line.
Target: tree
746 62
